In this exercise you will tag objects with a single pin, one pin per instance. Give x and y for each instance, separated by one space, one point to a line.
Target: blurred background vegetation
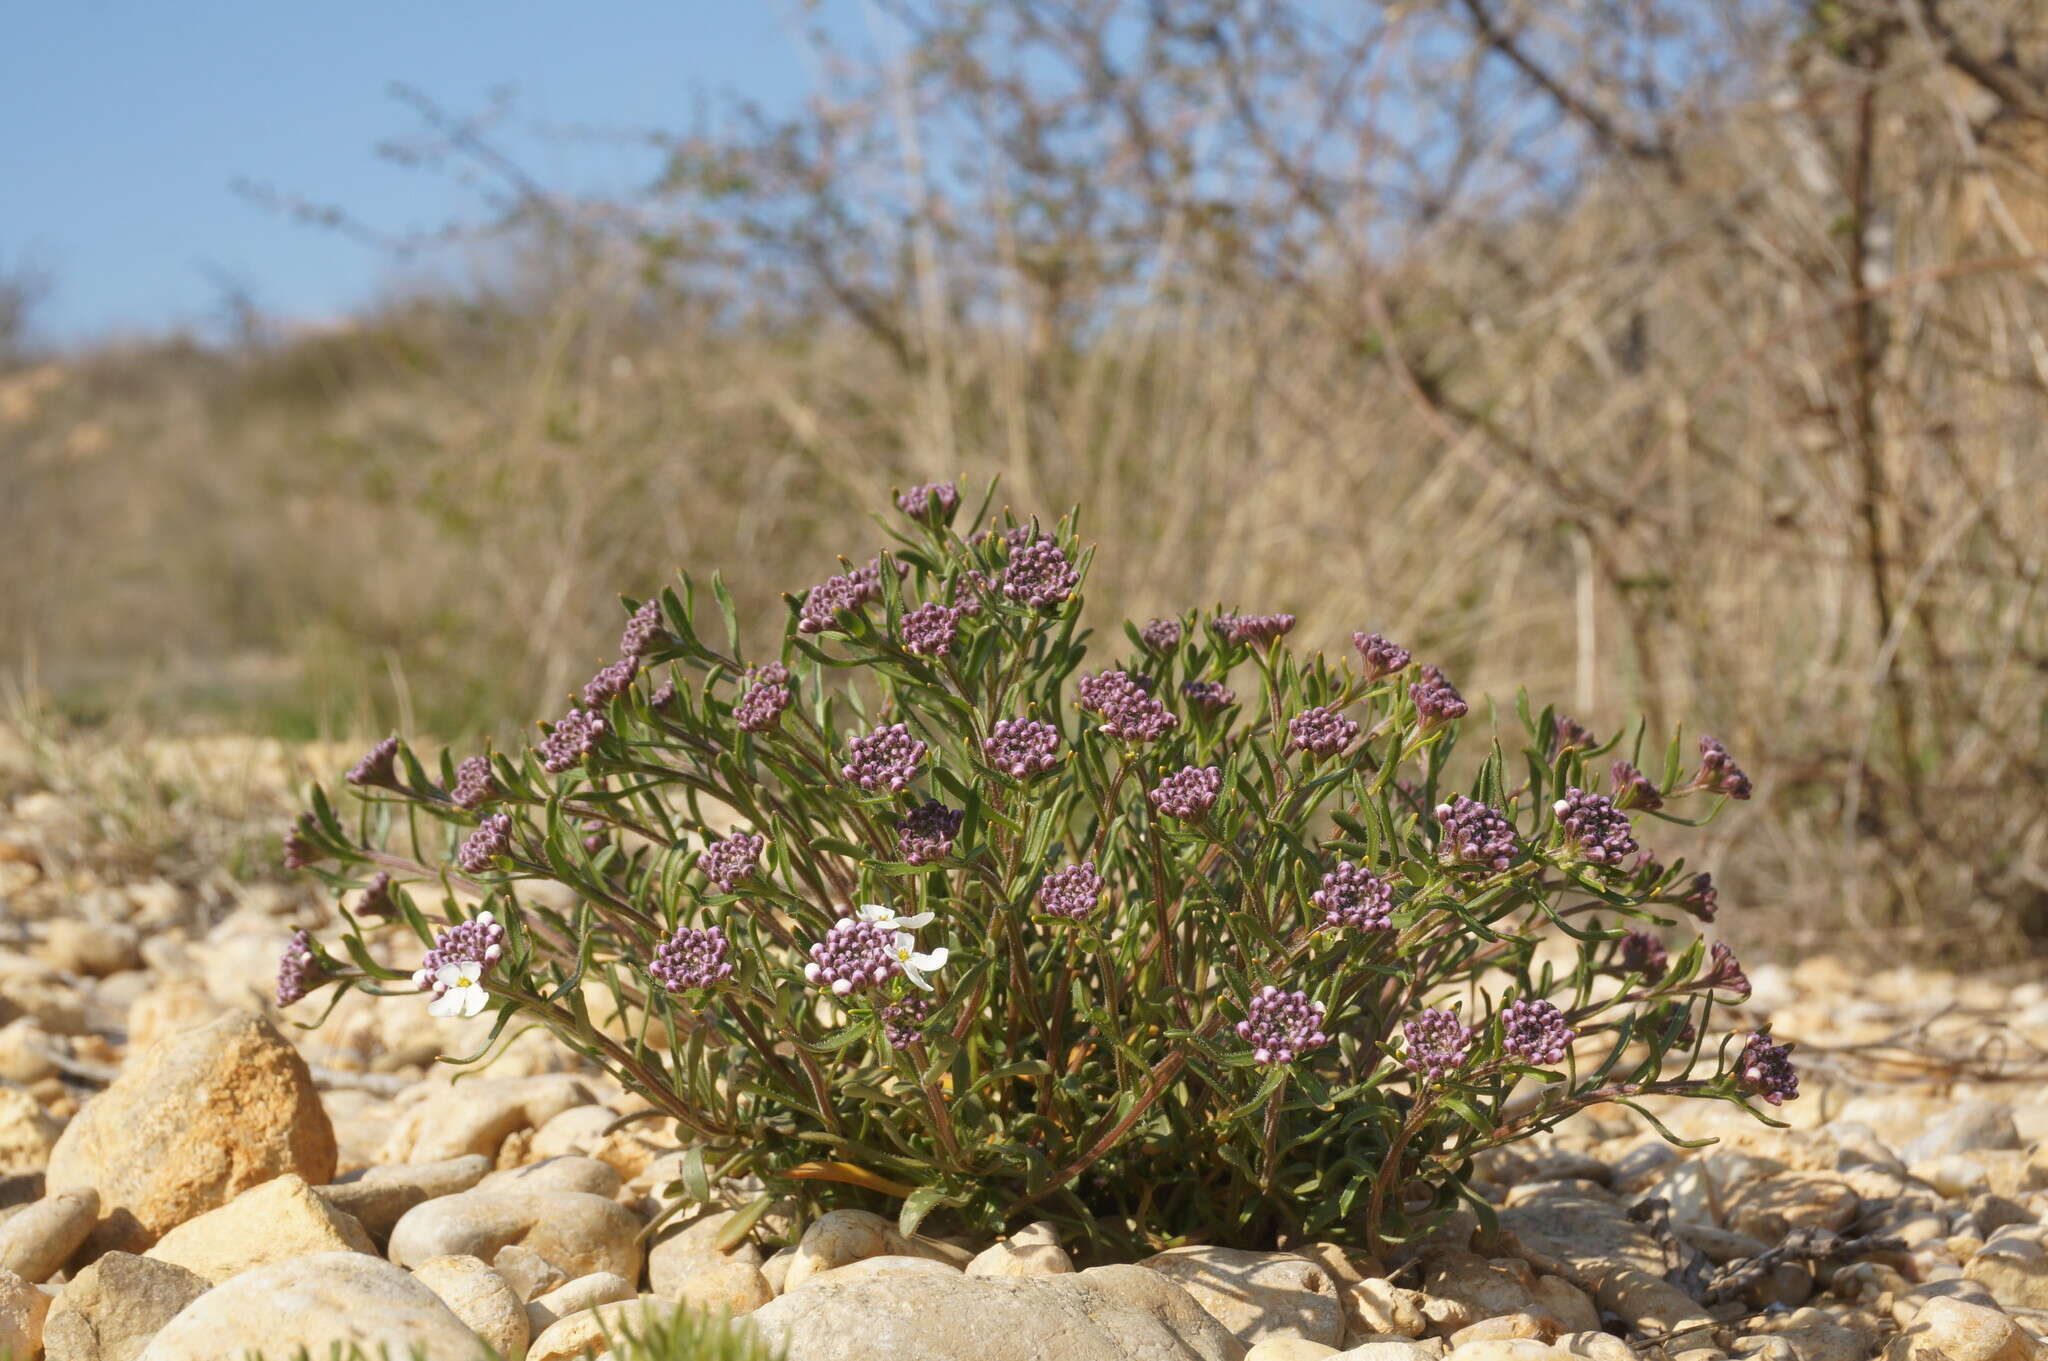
1669 358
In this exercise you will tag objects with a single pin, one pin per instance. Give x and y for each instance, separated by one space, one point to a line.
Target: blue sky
124 125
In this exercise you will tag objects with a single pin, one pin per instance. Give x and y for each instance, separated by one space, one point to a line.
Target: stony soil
185 1174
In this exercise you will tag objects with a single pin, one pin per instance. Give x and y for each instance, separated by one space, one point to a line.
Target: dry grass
1747 446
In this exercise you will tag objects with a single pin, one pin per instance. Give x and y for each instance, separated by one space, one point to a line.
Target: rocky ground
185 1174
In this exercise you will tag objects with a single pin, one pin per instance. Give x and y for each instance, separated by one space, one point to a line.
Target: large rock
2013 1266
333 1299
1257 1295
27 1132
189 1126
111 1310
1033 1250
1112 1313
567 1172
22 1310
1970 1127
1576 1231
726 1282
577 1232
592 1331
1950 1330
378 1197
480 1297
574 1297
843 1237
281 1219
475 1115
39 1240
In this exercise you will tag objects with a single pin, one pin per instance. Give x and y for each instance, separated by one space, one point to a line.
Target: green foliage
1085 1068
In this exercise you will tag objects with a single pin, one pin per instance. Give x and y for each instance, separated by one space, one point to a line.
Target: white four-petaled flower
886 918
461 986
915 966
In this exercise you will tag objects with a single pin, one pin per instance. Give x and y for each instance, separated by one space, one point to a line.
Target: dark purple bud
1281 1026
1437 701
1633 789
1378 656
1718 772
932 502
1252 630
1320 731
1188 793
298 969
761 704
475 785
1643 953
1039 575
376 900
1765 1069
609 683
903 1021
378 768
1161 635
1474 834
1535 1032
926 833
298 846
643 631
1022 747
929 630
574 736
854 955
828 602
725 863
1568 734
491 839
1702 899
1129 712
1354 898
1594 828
692 957
663 696
1072 892
1437 1044
888 757
1724 972
1213 696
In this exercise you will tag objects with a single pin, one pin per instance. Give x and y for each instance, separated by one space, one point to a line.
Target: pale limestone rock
36 1243
845 1236
577 1232
330 1299
22 1311
480 1297
2013 1266
110 1310
1257 1295
475 1116
27 1132
274 1222
378 1197
564 1172
573 1297
718 1281
1031 1251
1375 1305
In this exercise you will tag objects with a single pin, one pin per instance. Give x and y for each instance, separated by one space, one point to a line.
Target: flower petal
458 974
447 1004
873 912
934 961
912 923
473 1000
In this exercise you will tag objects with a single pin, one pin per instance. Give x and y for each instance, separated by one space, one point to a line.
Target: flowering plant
925 912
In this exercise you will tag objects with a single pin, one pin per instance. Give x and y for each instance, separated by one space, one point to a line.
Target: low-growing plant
1205 943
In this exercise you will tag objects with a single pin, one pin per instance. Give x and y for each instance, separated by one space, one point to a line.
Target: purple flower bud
1039 575
1535 1032
491 839
927 832
1568 734
1161 635
725 863
887 757
298 848
903 1021
574 736
930 501
379 766
298 969
832 599
1188 793
1718 772
1378 656
761 704
1643 953
1702 899
854 955
1724 971
1474 834
1252 630
1633 789
1321 731
1129 712
1438 1043
643 631
376 900
610 682
479 941
663 696
1594 827
1436 699
1072 892
693 957
1354 898
929 630
475 785
1213 696
1022 747
1765 1070
1281 1026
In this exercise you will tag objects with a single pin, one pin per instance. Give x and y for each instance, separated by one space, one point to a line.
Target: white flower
462 989
915 965
886 918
